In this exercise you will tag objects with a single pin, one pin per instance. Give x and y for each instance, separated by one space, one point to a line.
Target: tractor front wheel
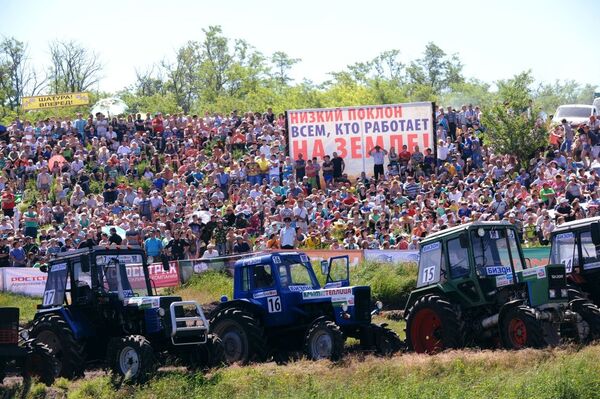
241 334
590 313
207 356
520 329
40 363
131 358
433 325
324 340
53 331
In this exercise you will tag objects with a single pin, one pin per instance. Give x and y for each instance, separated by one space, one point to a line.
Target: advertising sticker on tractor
497 270
299 288
264 294
504 280
337 295
431 247
538 272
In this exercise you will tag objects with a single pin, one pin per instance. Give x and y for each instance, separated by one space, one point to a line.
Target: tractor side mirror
464 241
595 232
165 263
85 263
324 267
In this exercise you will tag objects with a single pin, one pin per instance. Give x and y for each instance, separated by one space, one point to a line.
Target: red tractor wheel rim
517 331
425 332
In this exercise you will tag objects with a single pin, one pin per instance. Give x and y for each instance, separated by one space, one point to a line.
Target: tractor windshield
564 250
495 251
297 276
114 276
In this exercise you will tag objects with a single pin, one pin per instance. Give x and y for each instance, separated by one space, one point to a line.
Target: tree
183 76
74 68
17 77
511 123
282 64
435 69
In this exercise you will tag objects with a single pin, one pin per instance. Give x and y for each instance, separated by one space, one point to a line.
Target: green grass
206 287
560 373
27 304
390 284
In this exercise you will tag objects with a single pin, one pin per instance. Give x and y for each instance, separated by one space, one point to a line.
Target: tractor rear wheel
433 325
241 334
40 363
324 340
207 356
590 313
53 331
131 358
520 329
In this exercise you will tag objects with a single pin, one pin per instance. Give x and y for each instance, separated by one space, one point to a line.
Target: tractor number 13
274 304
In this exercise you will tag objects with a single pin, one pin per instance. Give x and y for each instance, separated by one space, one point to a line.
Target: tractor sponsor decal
144 302
504 280
538 272
299 288
59 266
431 247
264 294
124 259
594 265
338 295
497 270
251 261
565 236
304 258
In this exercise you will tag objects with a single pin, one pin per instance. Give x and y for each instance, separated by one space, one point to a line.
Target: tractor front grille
362 303
556 277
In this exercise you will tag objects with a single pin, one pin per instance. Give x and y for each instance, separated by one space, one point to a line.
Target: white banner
353 131
391 255
22 280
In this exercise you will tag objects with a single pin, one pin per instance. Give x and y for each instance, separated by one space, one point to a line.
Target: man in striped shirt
411 188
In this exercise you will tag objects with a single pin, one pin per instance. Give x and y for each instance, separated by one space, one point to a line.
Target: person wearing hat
547 194
241 245
210 252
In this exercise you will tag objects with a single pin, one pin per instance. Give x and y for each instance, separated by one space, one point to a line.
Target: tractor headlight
552 293
345 307
564 292
379 305
161 312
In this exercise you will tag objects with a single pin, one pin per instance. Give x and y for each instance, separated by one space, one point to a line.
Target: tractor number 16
274 304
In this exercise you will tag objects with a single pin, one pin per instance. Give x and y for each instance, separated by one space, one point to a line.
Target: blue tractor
279 308
99 307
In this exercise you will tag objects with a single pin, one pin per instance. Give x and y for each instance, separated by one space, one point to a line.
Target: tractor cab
278 281
577 245
483 262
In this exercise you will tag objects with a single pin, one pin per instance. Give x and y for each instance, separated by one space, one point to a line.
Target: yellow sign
55 101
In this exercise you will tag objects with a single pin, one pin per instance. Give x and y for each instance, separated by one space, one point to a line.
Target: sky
494 39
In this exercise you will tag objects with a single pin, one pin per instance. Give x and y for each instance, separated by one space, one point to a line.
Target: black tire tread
591 314
257 343
338 339
72 361
47 370
148 361
453 324
381 331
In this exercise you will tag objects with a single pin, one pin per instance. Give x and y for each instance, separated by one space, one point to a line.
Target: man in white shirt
287 235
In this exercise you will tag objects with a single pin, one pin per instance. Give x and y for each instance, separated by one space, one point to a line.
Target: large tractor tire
207 356
241 334
384 341
433 325
591 315
40 363
324 340
131 358
520 329
53 331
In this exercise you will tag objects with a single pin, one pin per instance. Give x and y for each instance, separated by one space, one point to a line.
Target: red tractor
28 358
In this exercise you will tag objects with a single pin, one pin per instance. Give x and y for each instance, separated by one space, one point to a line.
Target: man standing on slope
378 155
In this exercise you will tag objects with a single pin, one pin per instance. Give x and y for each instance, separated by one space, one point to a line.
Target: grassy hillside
562 373
26 304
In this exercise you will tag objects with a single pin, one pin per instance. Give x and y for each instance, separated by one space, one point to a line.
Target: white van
575 114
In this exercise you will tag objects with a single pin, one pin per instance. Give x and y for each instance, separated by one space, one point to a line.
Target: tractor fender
244 304
508 306
316 320
415 295
78 323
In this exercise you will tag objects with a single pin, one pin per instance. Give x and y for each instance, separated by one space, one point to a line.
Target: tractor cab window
295 275
459 259
56 285
495 251
263 277
589 251
113 277
564 250
430 264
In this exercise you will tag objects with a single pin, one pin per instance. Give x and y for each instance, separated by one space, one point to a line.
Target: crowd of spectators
203 186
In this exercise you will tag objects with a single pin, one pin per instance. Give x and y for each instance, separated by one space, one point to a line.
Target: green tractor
474 289
577 245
